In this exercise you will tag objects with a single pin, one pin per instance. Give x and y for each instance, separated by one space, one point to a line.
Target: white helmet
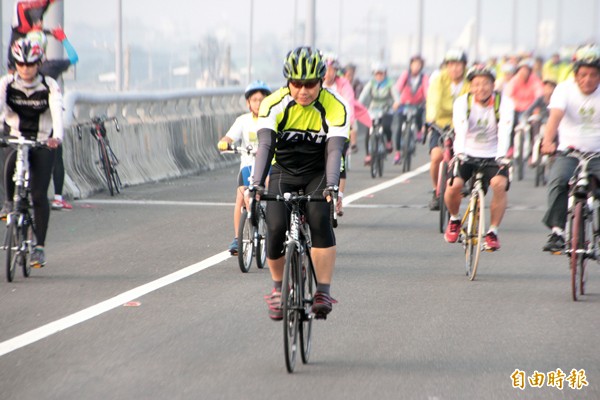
378 67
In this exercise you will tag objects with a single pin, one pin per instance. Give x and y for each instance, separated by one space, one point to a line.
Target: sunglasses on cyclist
307 84
23 64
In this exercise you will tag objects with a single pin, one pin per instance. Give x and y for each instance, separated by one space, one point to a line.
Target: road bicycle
299 278
472 227
107 159
19 240
446 142
539 162
409 132
376 145
583 215
252 231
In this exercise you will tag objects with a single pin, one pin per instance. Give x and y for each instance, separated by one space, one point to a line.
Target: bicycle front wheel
245 242
27 239
374 148
12 249
578 247
106 167
261 242
309 285
442 179
407 147
474 233
291 304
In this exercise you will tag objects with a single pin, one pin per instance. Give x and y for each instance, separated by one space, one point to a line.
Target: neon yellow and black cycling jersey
301 132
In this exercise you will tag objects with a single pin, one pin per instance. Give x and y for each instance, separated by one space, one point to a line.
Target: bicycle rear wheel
309 283
578 247
261 242
106 167
12 249
291 305
245 242
474 236
442 179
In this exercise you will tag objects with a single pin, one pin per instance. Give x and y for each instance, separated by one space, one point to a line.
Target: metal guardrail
163 134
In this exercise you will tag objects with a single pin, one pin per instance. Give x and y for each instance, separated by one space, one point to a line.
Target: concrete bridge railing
162 135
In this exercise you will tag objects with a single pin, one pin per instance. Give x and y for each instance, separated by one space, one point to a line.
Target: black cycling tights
40 171
58 173
278 214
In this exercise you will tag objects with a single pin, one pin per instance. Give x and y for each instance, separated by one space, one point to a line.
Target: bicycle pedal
38 265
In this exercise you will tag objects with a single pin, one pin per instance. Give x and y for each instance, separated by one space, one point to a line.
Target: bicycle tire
442 179
245 242
309 285
290 302
406 147
105 162
27 248
118 185
374 148
577 258
11 245
382 153
261 242
475 229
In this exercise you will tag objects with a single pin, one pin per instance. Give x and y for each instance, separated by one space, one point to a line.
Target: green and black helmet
303 64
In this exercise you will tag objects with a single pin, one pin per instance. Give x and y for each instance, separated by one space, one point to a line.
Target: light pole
119 48
420 29
476 32
250 40
309 37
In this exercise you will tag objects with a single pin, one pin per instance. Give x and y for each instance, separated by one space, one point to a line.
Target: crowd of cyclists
303 130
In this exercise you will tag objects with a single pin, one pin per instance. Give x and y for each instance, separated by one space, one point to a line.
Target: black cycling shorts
278 213
466 170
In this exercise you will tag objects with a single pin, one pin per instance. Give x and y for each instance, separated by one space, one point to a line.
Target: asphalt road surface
139 300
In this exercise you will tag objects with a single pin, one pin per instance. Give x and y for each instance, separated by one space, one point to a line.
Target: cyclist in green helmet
302 128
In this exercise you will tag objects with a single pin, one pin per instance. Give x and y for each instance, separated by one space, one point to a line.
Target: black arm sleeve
335 145
264 155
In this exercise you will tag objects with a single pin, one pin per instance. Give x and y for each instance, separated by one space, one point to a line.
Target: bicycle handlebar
250 150
98 120
20 140
303 199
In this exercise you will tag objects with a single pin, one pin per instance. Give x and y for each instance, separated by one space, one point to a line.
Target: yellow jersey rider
444 88
302 129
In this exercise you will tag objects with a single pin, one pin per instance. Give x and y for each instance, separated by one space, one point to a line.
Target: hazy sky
276 17
359 30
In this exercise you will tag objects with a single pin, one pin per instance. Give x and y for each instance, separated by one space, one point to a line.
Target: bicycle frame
107 157
376 145
582 233
299 278
19 236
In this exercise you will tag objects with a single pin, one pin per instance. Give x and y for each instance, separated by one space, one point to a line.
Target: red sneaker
491 242
452 230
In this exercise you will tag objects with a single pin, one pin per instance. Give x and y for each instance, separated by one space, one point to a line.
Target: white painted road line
107 305
51 328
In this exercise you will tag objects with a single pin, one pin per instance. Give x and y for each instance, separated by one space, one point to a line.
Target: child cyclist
243 130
